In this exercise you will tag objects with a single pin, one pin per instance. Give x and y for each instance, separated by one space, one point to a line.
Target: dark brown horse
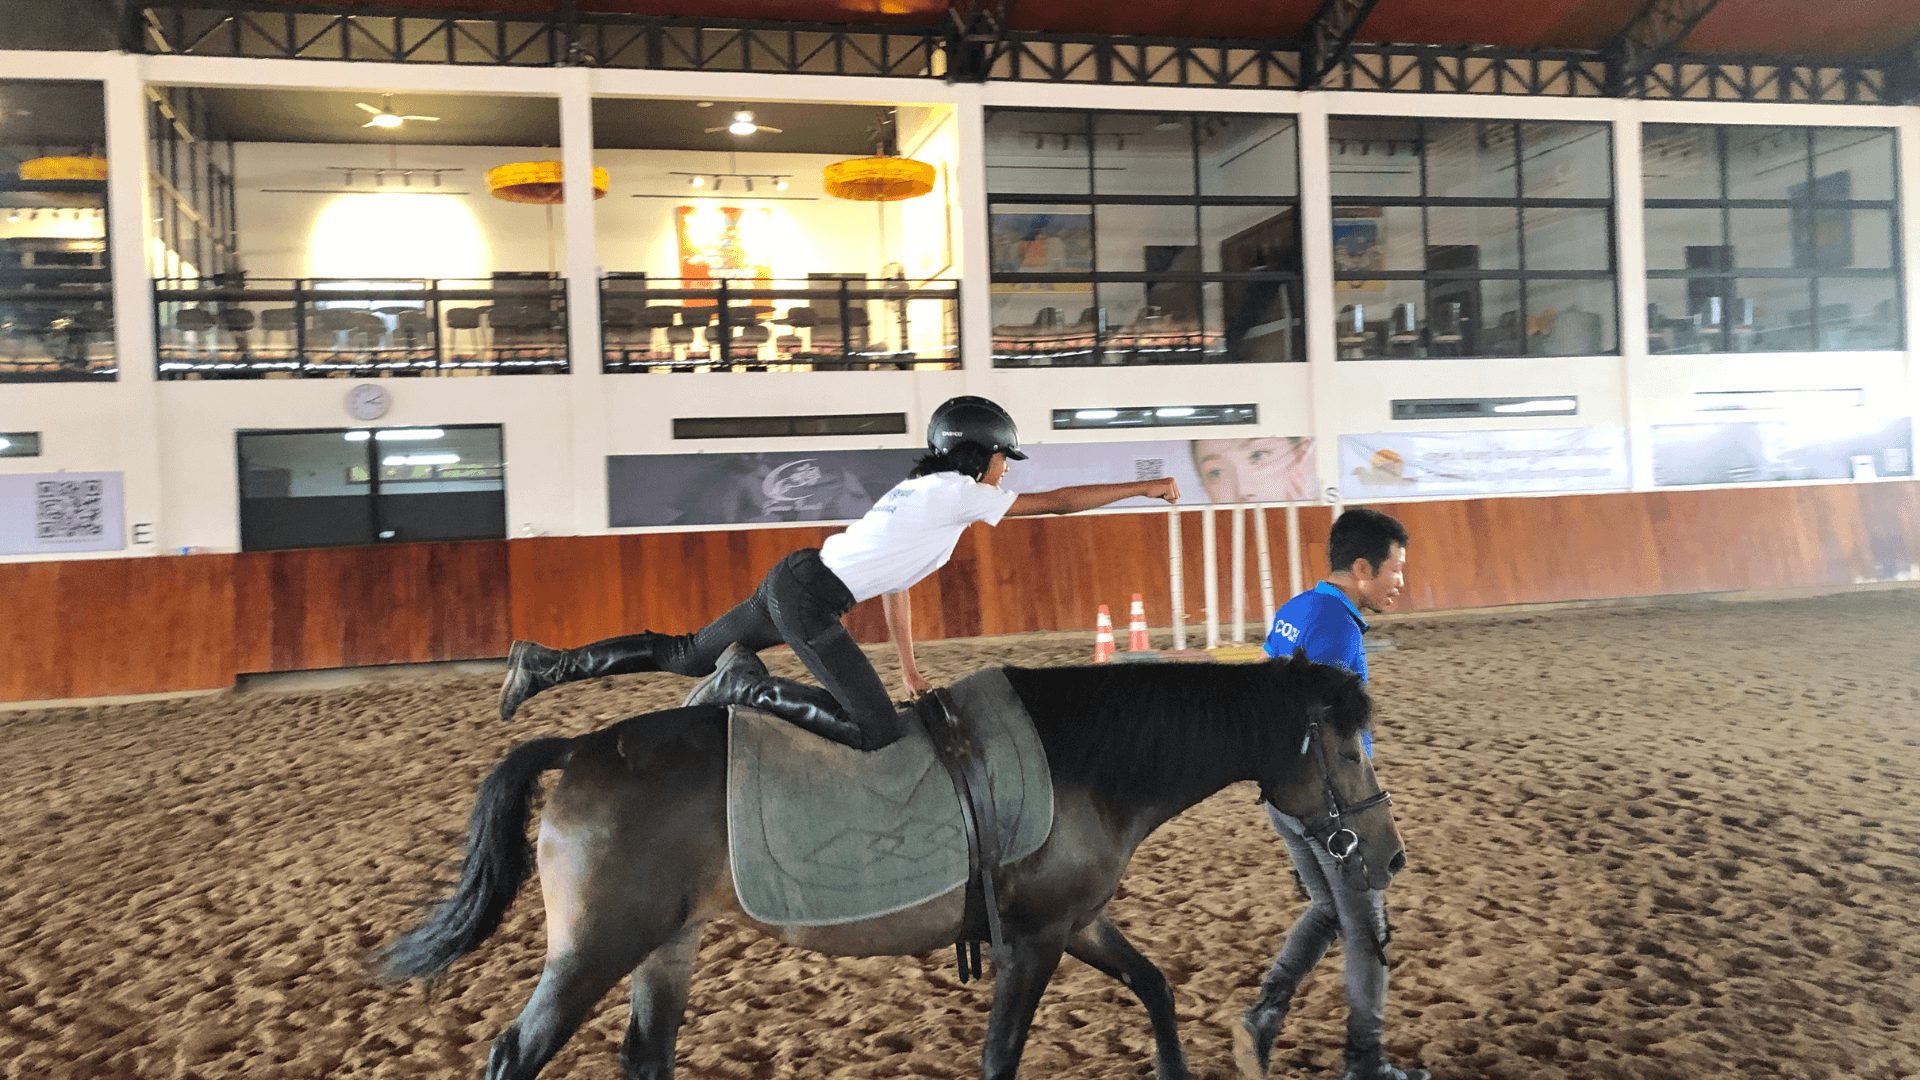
633 851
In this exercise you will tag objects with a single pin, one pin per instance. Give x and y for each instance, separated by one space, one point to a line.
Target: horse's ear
1352 706
1298 660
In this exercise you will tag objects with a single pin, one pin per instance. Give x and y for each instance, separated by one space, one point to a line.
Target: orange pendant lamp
539 182
884 177
64 168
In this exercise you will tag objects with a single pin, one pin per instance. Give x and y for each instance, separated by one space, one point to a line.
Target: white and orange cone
1103 637
1137 626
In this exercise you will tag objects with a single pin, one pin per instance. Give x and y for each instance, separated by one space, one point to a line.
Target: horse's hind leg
1101 946
658 1005
568 989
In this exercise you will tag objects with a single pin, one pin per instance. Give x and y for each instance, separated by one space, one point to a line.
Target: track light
696 181
780 184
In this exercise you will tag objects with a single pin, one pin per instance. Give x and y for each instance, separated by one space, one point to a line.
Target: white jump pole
1265 553
1239 635
1176 578
1210 566
1295 584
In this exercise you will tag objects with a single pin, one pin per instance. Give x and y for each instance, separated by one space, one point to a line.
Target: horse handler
1367 551
909 533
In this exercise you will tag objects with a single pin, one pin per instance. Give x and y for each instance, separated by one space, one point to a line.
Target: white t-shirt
911 532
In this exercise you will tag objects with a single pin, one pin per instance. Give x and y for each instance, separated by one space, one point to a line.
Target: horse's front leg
1100 945
1021 969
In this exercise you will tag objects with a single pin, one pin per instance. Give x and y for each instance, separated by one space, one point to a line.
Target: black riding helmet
976 420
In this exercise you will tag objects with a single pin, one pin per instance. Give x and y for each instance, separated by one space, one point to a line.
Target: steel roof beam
1649 39
1325 39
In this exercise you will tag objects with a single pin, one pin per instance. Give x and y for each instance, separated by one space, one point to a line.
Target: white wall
193 424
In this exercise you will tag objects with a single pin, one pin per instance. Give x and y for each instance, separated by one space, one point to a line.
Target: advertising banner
1529 460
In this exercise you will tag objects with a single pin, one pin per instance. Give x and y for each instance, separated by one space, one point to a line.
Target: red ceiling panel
1797 28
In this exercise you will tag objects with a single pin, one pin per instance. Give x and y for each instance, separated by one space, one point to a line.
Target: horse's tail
498 861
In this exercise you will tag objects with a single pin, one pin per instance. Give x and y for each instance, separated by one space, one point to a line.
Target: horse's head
1326 780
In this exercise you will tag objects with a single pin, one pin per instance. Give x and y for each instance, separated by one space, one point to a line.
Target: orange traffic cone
1137 626
1103 637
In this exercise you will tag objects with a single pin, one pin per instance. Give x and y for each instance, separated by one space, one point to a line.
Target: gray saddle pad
823 834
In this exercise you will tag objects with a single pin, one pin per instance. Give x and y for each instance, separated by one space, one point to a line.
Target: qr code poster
50 513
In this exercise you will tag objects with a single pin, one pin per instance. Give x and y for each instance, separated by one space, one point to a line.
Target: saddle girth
965 766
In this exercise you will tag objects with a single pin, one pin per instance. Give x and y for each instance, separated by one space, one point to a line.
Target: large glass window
1472 238
1771 239
340 487
1144 238
56 292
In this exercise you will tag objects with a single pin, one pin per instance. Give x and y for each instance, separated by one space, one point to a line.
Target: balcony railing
345 328
852 324
56 328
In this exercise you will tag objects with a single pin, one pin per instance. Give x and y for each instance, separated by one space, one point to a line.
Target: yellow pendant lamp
64 168
884 177
539 182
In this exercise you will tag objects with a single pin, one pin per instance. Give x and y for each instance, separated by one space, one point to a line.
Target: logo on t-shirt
1286 630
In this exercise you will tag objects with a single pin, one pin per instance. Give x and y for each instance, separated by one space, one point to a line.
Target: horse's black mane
1151 728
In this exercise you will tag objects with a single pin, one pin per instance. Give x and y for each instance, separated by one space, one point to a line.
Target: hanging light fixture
536 182
64 168
884 177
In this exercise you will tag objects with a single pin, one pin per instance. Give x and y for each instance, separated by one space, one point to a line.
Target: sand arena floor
1676 841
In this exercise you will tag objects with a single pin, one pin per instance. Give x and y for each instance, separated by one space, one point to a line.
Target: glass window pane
1859 313
441 485
1156 322
1680 161
1862 156
1033 324
1834 238
1471 159
1766 162
1374 156
1566 161
1764 238
1255 321
1568 239
1033 239
1244 238
1136 239
1770 315
1248 155
1369 238
1473 237
1038 152
1674 235
1381 319
1676 315
1142 154
308 489
1570 318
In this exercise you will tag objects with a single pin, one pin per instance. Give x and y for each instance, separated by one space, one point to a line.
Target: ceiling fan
743 124
384 116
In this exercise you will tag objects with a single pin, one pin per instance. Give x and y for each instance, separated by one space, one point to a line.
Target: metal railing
56 328
343 328
852 324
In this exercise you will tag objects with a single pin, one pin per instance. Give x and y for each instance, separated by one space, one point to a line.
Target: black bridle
1341 842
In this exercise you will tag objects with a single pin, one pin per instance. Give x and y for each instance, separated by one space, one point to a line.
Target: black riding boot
1374 1066
532 667
1259 1025
810 707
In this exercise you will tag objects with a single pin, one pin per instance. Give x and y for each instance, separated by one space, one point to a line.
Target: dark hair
970 459
1363 534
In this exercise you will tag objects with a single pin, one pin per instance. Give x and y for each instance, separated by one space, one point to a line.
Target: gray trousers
1337 910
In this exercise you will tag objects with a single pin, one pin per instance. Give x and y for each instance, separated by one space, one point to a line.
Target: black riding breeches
800 602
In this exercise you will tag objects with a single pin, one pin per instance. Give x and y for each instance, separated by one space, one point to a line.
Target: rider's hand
1164 487
917 686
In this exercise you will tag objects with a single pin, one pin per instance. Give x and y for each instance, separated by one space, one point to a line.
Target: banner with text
1830 446
1530 460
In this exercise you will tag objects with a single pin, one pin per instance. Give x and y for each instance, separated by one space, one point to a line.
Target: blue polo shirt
1324 623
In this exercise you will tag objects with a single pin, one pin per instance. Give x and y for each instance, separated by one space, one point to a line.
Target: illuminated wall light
1176 411
1543 405
696 181
780 183
1095 414
358 436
